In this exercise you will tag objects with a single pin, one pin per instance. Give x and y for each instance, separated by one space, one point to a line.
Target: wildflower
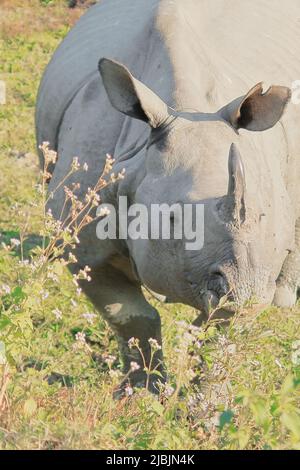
85 167
115 374
128 390
92 197
76 239
154 344
75 186
194 328
188 338
134 366
75 164
192 401
72 258
89 317
80 343
108 164
86 269
215 420
44 294
295 356
87 219
113 178
96 200
6 289
52 276
24 262
46 175
57 313
80 337
109 359
121 174
231 348
222 340
182 324
104 211
39 188
50 155
168 390
15 242
44 145
78 291
82 274
68 192
133 343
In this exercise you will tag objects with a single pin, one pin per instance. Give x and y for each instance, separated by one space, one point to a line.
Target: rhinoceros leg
124 307
288 281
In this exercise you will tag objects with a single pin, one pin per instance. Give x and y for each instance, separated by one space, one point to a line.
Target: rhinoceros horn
235 200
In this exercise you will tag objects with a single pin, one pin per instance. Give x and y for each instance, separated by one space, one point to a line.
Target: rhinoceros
193 99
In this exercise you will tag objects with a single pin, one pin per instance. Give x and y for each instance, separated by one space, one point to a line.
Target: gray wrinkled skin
202 59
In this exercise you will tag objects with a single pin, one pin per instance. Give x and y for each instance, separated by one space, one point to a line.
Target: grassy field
56 393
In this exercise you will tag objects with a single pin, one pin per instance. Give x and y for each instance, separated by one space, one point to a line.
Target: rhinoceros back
111 28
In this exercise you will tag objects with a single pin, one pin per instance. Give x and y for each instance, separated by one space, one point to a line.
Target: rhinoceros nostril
218 283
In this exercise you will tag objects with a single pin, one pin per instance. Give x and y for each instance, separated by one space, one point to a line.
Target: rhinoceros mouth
209 301
218 285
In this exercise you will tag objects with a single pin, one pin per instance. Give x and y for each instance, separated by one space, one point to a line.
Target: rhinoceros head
198 158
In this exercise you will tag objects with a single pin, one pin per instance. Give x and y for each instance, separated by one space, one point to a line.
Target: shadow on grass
31 241
52 378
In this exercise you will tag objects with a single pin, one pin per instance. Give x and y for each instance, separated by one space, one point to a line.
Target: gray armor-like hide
187 75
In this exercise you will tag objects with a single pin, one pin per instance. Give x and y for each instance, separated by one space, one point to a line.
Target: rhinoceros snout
218 284
218 287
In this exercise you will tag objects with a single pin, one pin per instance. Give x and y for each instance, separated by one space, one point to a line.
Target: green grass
56 396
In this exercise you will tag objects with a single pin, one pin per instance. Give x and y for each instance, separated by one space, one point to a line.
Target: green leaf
158 408
4 321
274 408
156 372
18 295
225 418
260 409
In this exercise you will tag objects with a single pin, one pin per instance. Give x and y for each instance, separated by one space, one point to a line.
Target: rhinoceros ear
257 111
129 96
